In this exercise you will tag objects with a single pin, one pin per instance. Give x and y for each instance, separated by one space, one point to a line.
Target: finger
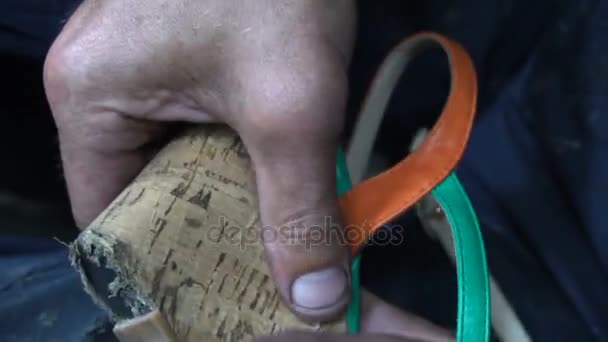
100 160
306 337
380 322
106 135
101 150
292 141
380 317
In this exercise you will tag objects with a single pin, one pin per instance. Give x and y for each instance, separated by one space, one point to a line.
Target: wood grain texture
184 238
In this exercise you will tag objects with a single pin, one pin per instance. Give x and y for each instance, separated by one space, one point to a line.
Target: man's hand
380 322
274 70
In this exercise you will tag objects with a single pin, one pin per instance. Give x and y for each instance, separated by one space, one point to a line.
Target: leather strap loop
376 201
429 169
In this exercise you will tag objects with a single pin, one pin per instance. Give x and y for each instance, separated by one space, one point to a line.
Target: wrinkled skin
122 70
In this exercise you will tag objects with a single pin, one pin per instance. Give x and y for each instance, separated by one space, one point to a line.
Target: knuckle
78 62
57 72
74 87
305 101
67 74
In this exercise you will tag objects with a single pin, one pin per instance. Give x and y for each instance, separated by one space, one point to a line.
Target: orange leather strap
378 200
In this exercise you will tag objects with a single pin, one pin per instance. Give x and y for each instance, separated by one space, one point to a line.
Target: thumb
293 139
301 234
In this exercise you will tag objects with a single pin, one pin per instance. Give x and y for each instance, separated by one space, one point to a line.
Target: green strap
353 312
473 284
